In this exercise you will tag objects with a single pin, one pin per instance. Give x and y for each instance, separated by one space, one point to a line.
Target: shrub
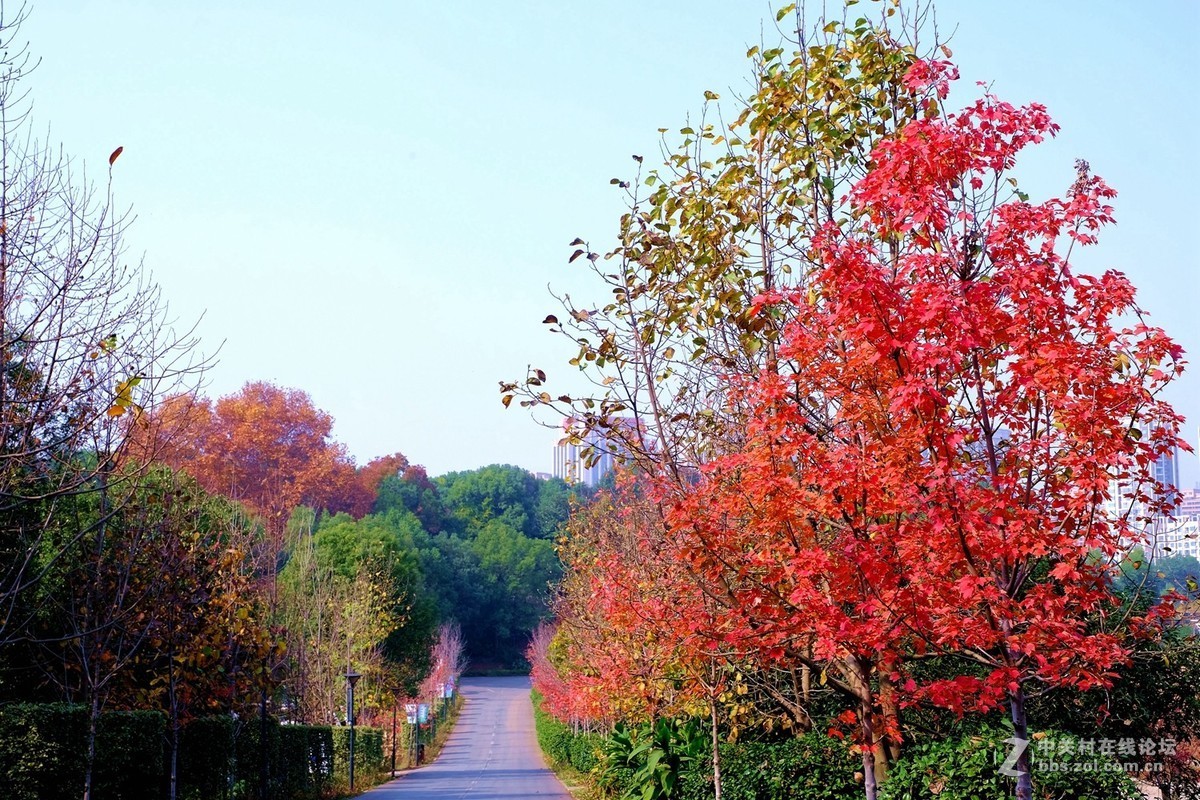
129 755
649 760
554 737
306 756
248 757
584 750
41 750
43 747
968 767
368 756
205 763
811 767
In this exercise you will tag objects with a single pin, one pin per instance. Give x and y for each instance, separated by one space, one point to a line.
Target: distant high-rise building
591 461
1166 472
585 463
1189 503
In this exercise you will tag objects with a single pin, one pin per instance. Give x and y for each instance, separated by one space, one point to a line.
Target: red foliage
373 473
929 474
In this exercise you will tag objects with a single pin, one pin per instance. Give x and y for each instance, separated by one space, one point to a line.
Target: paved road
492 753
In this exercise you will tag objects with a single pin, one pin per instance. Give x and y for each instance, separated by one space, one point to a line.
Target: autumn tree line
874 419
162 550
233 559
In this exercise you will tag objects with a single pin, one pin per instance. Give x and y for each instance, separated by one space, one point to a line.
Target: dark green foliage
129 755
484 547
496 584
42 757
412 492
650 760
206 758
968 768
499 492
812 767
554 737
368 756
248 755
584 750
563 746
306 754
1156 696
42 749
506 494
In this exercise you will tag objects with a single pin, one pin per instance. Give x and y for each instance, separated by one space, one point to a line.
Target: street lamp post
395 709
351 679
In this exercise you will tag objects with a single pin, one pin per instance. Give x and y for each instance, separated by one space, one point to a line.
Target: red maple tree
928 471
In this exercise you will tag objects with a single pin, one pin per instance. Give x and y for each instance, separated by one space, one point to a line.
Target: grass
579 784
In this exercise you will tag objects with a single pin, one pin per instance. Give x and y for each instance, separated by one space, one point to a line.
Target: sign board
422 713
448 689
410 711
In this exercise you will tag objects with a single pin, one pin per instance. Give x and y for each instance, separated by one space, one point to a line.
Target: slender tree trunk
93 677
262 745
889 749
1016 701
870 784
90 759
173 699
716 753
860 677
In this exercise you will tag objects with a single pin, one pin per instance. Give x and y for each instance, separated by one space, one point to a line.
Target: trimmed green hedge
42 757
368 756
818 767
206 758
42 753
307 761
968 767
561 745
811 767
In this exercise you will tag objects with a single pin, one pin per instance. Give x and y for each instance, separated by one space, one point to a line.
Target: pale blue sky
367 202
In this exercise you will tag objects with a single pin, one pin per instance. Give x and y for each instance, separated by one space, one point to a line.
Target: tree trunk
859 675
262 745
1016 701
889 748
173 700
90 758
716 754
870 784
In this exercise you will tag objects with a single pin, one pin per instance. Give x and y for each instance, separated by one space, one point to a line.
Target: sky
371 202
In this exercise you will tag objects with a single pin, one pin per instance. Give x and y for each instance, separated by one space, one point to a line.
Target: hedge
561 745
818 767
968 767
811 767
43 749
42 756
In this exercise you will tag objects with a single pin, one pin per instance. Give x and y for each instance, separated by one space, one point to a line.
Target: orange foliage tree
267 447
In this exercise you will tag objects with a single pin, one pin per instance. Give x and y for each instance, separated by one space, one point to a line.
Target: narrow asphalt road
492 753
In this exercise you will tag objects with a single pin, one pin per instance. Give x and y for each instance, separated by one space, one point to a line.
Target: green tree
352 594
412 491
497 492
